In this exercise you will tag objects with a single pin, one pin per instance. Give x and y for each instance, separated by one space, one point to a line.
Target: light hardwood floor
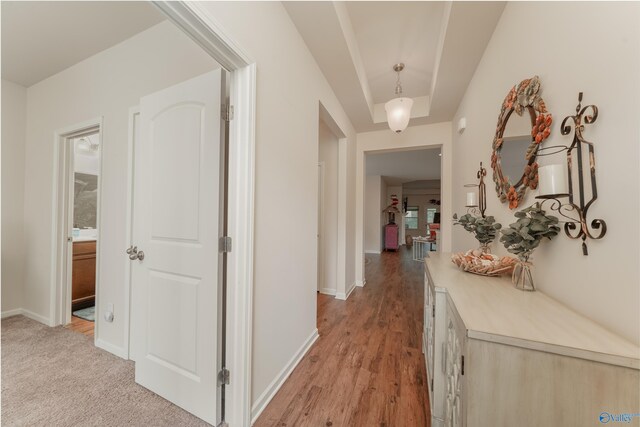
82 326
367 367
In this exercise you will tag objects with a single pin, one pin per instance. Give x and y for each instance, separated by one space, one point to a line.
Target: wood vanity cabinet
497 356
83 281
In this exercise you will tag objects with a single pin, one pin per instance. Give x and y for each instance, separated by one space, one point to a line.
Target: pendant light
398 109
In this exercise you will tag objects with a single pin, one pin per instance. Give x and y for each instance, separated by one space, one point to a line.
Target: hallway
367 367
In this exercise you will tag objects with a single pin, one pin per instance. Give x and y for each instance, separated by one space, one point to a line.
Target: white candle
472 199
553 180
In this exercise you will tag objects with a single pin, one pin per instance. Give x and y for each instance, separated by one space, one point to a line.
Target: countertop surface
492 309
84 239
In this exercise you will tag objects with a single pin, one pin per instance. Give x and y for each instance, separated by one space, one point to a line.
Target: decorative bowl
482 263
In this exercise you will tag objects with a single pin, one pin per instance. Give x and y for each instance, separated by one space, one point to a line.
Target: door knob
134 254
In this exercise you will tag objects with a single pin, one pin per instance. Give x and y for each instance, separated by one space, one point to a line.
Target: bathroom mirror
523 124
85 200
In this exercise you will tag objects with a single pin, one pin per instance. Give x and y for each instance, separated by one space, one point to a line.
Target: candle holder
481 207
576 209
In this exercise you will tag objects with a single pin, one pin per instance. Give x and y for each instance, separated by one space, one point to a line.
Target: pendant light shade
398 113
398 109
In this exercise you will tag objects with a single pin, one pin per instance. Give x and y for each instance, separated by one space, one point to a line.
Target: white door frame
62 251
134 116
343 289
321 258
204 29
446 210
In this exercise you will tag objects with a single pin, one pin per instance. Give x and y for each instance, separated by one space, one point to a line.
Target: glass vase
522 277
484 248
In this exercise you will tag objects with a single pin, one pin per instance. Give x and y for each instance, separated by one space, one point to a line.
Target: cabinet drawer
84 248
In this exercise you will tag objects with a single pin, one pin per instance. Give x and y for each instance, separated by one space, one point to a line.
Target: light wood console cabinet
497 356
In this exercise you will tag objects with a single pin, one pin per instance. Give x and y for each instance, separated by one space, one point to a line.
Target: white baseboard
113 349
353 286
343 295
275 385
373 252
26 313
361 283
10 313
328 291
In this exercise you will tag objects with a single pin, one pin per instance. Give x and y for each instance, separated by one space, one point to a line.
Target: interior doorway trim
196 21
343 288
446 178
134 116
62 252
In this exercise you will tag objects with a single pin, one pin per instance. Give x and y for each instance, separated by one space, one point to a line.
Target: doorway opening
327 210
402 202
80 168
84 235
332 208
197 23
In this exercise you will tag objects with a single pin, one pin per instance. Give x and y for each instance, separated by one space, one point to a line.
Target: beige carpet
56 377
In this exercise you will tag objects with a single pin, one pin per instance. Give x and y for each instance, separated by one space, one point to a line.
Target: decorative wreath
521 98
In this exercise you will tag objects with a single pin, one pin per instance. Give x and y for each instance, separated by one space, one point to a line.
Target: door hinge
462 368
431 384
227 112
224 376
433 310
225 244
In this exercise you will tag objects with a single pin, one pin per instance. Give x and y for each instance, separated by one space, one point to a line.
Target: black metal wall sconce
557 183
477 203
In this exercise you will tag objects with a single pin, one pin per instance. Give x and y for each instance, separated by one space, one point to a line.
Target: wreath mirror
523 124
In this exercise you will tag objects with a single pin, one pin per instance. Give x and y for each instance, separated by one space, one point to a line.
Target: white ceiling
57 35
398 167
391 32
356 44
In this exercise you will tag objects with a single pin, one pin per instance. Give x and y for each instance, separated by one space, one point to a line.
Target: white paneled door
176 229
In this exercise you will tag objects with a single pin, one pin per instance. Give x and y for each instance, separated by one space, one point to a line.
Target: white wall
289 88
106 85
414 137
374 198
328 155
14 109
589 47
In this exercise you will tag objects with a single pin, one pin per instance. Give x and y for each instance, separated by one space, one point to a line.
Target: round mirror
516 139
523 124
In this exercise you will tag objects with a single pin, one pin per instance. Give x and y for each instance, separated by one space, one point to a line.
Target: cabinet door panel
83 280
454 345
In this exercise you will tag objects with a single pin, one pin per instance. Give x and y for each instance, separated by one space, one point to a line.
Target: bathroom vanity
83 281
498 356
